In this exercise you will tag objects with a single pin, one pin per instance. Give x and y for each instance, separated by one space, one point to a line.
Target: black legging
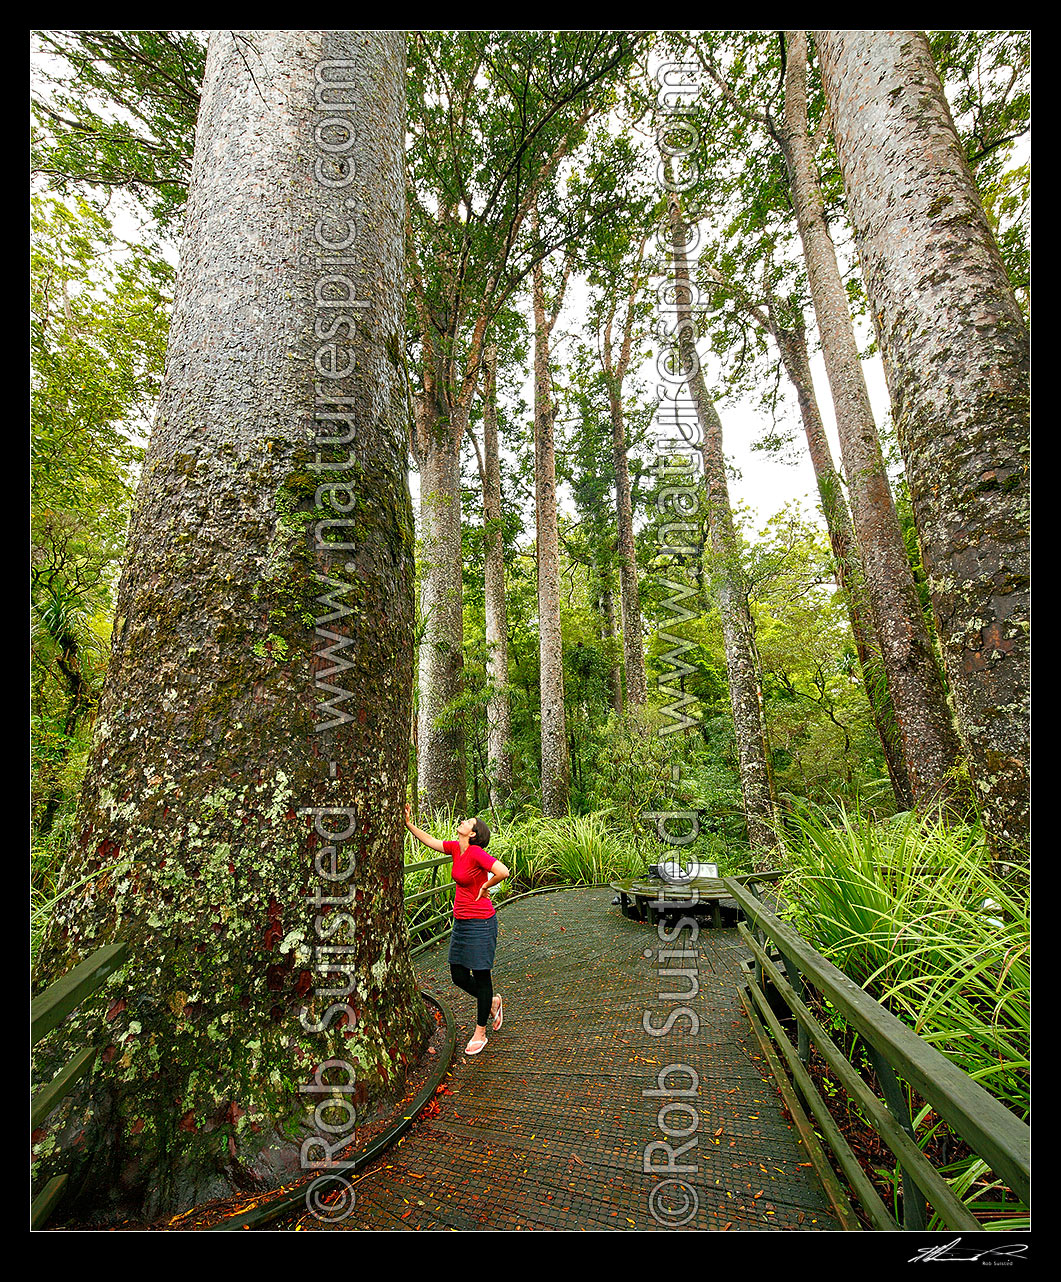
479 984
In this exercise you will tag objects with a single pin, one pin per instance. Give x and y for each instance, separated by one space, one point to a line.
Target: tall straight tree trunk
955 351
785 324
616 366
555 772
737 625
930 742
610 632
498 708
244 795
792 344
441 766
629 591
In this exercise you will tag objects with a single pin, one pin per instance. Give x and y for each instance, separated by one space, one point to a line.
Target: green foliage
118 113
580 850
912 910
98 333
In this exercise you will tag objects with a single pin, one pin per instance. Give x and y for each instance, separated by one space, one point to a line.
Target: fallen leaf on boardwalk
719 1131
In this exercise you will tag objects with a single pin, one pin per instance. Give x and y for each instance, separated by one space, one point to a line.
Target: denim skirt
473 942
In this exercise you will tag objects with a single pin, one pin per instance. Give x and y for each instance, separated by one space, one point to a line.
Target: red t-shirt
470 871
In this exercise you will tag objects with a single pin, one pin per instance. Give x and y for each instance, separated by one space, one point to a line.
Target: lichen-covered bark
955 351
259 690
737 624
792 344
498 709
930 742
556 771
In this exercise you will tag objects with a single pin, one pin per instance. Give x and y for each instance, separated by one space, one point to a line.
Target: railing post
760 936
915 1209
795 978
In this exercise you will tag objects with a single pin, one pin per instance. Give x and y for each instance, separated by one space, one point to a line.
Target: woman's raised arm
424 838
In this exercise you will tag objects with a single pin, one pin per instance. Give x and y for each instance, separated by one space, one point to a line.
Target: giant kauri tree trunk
955 351
240 826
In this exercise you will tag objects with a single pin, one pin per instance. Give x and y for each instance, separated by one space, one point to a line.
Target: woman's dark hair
481 833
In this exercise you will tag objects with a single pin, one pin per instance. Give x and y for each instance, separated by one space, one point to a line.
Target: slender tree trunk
610 633
737 626
955 351
555 773
498 708
441 766
930 742
250 755
792 344
630 597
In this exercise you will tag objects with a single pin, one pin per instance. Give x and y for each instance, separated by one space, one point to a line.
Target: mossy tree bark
240 824
930 742
956 356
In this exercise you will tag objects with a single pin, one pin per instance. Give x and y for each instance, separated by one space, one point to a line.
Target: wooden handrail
1000 1137
50 1009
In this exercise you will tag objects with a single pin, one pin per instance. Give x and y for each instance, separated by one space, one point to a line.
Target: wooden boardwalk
553 1125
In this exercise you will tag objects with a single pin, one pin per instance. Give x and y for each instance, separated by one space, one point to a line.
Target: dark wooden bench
649 898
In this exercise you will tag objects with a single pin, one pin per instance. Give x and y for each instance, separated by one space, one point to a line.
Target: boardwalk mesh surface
568 1119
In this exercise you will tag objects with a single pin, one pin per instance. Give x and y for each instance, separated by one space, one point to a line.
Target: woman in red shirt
474 937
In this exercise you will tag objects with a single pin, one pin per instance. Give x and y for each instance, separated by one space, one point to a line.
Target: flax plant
912 910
